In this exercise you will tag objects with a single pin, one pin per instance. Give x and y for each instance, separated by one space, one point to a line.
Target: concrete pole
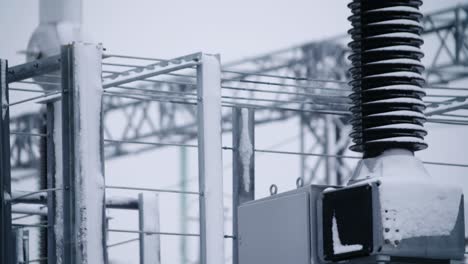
210 160
82 155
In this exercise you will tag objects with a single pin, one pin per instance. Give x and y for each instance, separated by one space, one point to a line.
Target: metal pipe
153 233
243 166
150 244
151 190
112 202
210 160
6 248
149 143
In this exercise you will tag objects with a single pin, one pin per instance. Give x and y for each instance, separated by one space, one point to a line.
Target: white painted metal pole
82 156
58 180
89 152
210 160
150 244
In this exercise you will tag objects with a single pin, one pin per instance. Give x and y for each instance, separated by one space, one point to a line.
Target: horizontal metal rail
153 233
151 90
34 98
151 190
149 143
18 198
123 242
342 156
40 83
150 98
30 225
131 57
27 90
34 68
29 134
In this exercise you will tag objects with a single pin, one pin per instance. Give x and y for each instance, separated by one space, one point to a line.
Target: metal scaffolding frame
325 103
71 178
312 64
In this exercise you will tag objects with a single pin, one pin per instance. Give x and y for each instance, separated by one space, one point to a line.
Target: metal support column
82 155
183 204
150 244
210 160
17 255
69 253
6 247
51 207
20 241
243 175
25 241
302 161
329 150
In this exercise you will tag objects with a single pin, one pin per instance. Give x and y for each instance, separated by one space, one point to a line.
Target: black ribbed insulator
386 76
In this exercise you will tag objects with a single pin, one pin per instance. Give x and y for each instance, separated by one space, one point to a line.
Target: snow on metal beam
151 70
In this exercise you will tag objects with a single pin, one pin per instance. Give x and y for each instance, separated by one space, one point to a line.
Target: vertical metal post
150 244
243 175
459 34
6 247
210 160
68 161
183 203
51 207
25 241
82 155
302 143
330 136
59 196
18 246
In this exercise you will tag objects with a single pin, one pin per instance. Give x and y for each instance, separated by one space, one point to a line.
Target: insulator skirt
386 72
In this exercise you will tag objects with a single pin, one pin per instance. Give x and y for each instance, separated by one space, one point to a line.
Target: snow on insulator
398 48
398 139
398 22
403 100
396 35
396 75
412 114
400 126
396 8
402 61
388 111
399 87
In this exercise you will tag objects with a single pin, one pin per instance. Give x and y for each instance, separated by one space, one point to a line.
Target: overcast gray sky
234 29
